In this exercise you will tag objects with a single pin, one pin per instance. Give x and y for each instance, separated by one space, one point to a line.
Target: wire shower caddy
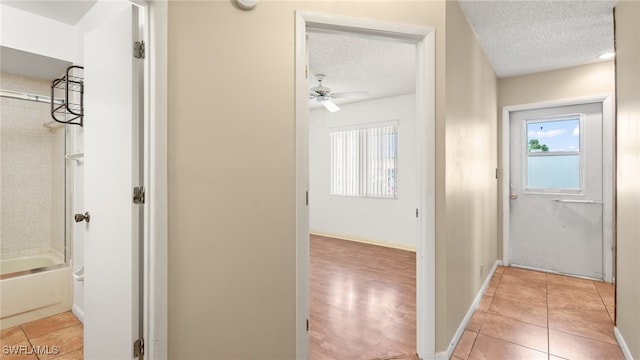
71 111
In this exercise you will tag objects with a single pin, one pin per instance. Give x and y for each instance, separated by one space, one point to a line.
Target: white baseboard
623 345
367 241
78 312
445 355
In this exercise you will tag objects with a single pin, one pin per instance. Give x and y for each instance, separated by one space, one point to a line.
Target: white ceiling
69 12
28 64
38 66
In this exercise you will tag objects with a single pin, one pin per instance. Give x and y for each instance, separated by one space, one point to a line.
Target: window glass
553 154
554 172
553 136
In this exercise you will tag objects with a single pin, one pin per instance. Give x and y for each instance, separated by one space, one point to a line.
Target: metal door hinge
417 212
138 348
496 173
138 195
306 198
138 50
307 325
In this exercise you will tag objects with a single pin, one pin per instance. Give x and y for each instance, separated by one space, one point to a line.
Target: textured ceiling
518 36
356 63
521 37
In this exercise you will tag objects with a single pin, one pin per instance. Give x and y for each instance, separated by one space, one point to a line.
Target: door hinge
139 49
307 198
417 213
307 325
306 71
138 195
138 348
496 173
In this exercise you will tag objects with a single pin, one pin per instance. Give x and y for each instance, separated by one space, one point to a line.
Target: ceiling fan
324 95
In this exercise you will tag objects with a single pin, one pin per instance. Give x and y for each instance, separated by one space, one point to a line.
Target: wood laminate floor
363 301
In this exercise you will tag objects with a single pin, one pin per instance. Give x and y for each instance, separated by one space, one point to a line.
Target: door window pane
554 172
553 153
553 136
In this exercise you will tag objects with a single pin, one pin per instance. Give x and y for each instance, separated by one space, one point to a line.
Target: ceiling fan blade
350 94
330 105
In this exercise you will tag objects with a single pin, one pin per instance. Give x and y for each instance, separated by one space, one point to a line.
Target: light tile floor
533 315
57 337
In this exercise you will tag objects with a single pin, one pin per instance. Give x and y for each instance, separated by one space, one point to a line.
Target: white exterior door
556 189
112 169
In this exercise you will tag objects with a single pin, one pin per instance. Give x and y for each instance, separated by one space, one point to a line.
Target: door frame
155 273
424 38
608 160
155 252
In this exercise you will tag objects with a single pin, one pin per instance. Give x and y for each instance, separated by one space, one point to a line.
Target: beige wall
576 82
467 240
231 171
579 81
232 262
628 180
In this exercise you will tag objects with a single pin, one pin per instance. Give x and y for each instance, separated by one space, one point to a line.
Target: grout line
28 340
546 289
588 338
475 339
513 343
606 308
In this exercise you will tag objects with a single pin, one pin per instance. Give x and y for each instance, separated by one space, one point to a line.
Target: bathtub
28 295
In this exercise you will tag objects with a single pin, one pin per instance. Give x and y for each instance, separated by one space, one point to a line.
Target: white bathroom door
112 169
556 189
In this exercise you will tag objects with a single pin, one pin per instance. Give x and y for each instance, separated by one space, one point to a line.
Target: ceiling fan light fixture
330 105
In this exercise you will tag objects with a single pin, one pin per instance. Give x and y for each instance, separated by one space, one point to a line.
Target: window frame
526 155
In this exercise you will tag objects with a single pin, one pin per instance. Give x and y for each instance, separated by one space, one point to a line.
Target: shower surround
35 276
32 166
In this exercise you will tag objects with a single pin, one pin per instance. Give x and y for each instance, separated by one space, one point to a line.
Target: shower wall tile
30 186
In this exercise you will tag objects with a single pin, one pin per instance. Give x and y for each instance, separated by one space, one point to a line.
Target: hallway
533 315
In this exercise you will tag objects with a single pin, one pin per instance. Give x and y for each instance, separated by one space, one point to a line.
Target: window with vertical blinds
364 161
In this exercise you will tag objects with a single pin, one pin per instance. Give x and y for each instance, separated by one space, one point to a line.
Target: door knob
82 217
514 196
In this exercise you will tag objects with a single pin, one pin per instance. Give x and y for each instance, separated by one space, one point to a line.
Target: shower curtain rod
29 97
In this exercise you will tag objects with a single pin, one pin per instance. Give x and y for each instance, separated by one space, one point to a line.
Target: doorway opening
362 198
423 203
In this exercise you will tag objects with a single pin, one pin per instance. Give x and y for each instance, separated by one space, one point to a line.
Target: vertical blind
364 162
